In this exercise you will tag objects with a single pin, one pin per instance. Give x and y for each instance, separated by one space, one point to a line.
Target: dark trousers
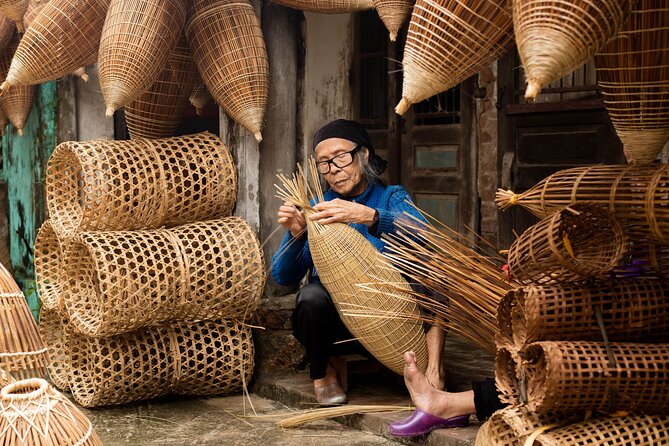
317 325
486 399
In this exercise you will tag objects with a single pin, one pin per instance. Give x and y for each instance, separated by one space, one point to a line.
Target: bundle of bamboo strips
325 413
328 6
16 101
14 10
393 14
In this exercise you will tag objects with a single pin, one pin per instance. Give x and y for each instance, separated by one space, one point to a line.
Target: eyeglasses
342 160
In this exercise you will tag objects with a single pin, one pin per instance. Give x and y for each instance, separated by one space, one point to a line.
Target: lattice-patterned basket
328 6
637 195
205 358
393 14
229 51
64 36
513 425
120 281
580 242
16 101
112 185
199 97
633 76
157 112
48 253
34 7
581 375
631 310
14 10
507 371
55 329
644 260
34 414
555 37
135 46
7 29
450 40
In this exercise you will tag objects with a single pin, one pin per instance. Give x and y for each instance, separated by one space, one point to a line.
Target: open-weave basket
32 413
513 425
55 329
136 184
64 36
579 242
157 112
229 50
633 76
582 375
393 14
555 37
507 373
448 41
644 260
120 281
7 29
199 97
48 254
205 358
136 42
14 10
638 196
16 101
328 6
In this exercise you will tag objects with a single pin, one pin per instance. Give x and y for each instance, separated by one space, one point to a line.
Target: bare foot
435 378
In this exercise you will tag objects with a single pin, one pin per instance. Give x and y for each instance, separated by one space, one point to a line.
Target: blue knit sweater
293 258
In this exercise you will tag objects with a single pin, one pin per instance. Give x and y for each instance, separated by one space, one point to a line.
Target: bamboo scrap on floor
309 416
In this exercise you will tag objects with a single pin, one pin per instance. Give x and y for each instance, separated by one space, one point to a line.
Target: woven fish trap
34 7
393 14
14 10
554 37
644 260
580 242
582 375
448 41
199 97
328 6
637 195
33 413
513 425
507 373
157 112
64 36
17 101
48 255
205 358
229 51
135 46
120 281
139 184
7 29
631 310
55 330
3 122
633 76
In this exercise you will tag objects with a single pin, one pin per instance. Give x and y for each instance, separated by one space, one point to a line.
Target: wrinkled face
347 181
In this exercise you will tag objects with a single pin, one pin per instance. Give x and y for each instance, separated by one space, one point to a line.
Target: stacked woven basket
588 329
146 281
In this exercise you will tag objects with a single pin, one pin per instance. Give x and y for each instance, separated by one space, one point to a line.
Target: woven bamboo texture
63 37
16 101
328 6
205 358
120 281
633 76
450 40
135 46
34 414
34 7
48 255
157 112
513 425
4 379
507 373
580 242
229 51
637 195
14 10
555 37
55 330
580 375
644 260
393 14
22 352
139 184
7 29
199 97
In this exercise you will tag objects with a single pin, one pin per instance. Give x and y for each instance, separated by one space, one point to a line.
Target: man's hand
343 211
291 218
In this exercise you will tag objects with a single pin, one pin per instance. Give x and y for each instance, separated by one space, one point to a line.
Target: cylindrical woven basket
229 51
633 76
637 195
328 6
632 310
393 14
507 372
205 358
157 112
580 242
48 254
450 40
139 184
136 42
199 97
7 29
513 425
644 260
16 101
55 330
14 10
555 37
64 36
564 376
120 281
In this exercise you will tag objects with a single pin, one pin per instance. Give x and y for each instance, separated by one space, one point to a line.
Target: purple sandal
420 423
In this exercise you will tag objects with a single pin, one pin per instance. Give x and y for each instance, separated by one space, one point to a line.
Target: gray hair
366 167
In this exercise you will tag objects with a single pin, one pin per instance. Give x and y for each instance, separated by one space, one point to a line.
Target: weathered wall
91 120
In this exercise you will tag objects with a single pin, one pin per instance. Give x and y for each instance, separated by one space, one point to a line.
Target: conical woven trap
16 101
581 375
448 41
48 254
139 184
3 122
34 7
637 195
328 6
33 413
199 97
157 112
580 242
393 14
229 51
64 36
55 330
204 358
136 42
556 37
14 10
120 281
7 29
633 76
